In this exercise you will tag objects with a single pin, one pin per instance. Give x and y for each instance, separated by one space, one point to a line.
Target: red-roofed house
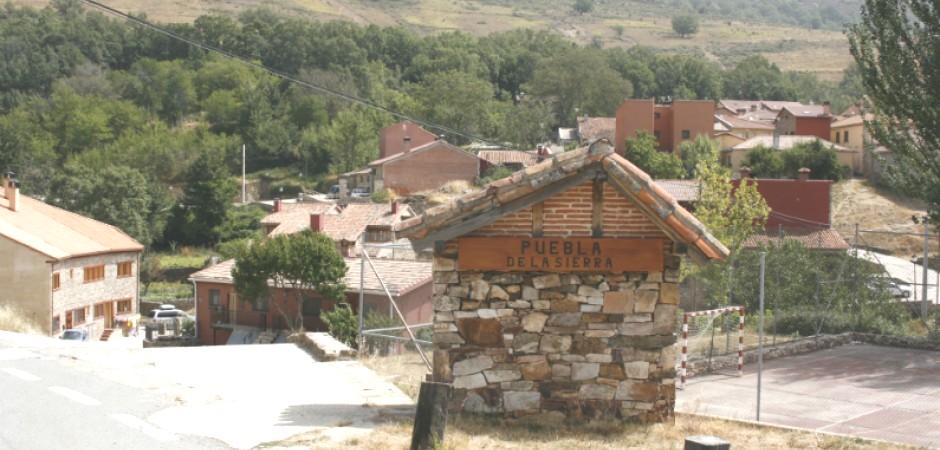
402 137
221 313
62 270
805 120
800 210
429 166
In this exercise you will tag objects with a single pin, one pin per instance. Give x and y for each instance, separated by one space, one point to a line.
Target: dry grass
13 320
407 372
483 433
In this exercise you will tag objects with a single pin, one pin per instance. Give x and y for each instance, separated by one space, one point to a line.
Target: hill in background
797 35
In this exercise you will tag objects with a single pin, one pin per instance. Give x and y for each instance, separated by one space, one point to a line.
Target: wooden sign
560 254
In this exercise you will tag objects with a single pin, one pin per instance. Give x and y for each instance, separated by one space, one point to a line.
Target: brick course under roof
441 222
57 233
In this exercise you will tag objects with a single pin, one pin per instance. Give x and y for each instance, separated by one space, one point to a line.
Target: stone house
556 290
62 270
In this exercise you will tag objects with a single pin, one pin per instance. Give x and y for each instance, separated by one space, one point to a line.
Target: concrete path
243 395
874 392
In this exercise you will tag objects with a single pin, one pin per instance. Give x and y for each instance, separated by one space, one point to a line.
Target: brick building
221 312
556 290
62 270
804 120
670 124
429 166
402 137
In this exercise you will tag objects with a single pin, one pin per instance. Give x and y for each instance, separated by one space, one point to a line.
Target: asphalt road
48 405
99 395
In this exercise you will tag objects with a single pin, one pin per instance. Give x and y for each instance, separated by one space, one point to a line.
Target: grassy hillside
721 37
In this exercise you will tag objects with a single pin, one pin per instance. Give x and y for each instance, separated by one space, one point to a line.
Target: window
685 134
656 116
124 306
99 310
838 135
55 282
845 136
78 316
262 304
94 273
656 134
125 269
312 306
215 299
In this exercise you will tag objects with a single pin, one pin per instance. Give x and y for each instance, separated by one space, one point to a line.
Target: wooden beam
597 209
488 217
538 219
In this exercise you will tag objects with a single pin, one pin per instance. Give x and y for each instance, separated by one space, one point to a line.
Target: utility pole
243 174
923 305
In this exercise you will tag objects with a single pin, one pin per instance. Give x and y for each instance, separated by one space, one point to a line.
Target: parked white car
166 314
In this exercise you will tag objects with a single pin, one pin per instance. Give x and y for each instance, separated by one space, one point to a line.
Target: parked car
360 192
893 288
166 314
74 334
334 191
900 290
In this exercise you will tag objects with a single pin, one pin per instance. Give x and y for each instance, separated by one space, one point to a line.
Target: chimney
347 249
826 107
394 207
13 194
316 221
803 174
745 172
277 205
407 144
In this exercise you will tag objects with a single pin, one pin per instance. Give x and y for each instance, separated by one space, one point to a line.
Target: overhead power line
325 90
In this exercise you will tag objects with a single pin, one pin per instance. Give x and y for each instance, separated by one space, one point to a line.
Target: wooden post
430 416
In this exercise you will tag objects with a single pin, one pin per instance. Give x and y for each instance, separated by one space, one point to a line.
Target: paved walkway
874 392
243 395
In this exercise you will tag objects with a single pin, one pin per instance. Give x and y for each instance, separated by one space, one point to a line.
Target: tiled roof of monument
475 209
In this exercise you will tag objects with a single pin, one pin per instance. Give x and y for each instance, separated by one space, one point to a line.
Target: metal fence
799 301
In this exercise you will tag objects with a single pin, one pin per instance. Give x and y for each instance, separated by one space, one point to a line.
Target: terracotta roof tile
399 276
681 190
591 129
827 239
508 157
598 156
346 224
57 233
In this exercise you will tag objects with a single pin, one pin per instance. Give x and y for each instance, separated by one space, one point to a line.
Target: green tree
643 152
756 78
300 263
685 24
618 30
730 214
116 195
207 197
815 156
699 149
583 6
459 101
764 162
350 141
896 45
579 81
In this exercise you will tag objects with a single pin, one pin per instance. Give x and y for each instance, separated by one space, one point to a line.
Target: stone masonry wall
585 345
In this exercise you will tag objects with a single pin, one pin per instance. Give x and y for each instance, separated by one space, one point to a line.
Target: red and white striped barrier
685 338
